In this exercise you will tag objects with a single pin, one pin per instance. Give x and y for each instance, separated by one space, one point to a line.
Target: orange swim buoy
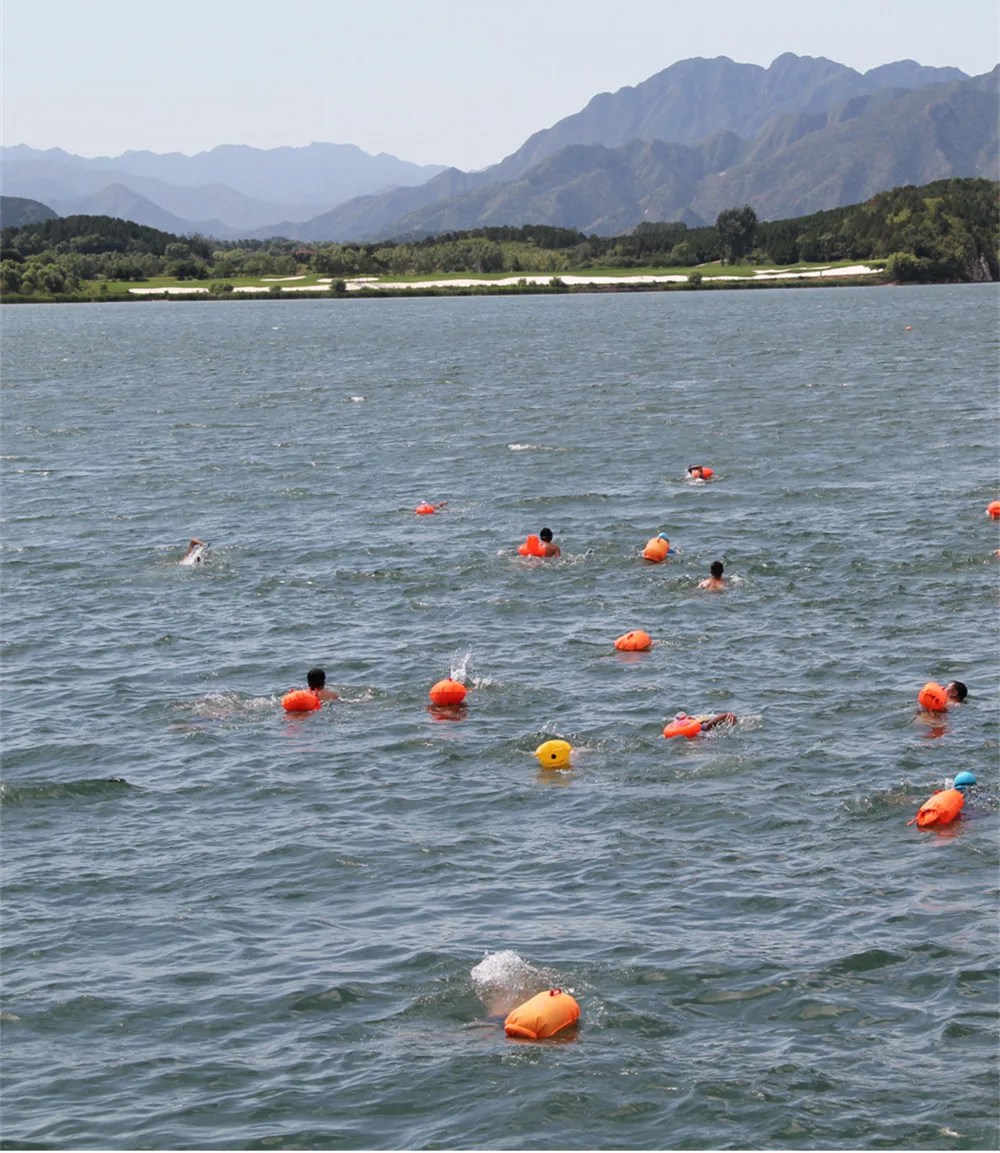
933 698
993 508
448 692
543 1016
707 473
300 701
531 547
656 549
687 728
941 809
636 641
424 509
683 727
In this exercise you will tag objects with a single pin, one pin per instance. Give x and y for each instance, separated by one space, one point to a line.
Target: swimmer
930 701
548 548
195 551
697 472
708 722
715 583
956 692
316 680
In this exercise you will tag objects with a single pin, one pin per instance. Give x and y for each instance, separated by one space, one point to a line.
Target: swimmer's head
964 781
716 569
315 678
681 717
545 535
663 536
956 691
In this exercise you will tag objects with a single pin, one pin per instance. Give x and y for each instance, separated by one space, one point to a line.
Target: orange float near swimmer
699 472
543 1016
941 809
657 549
448 692
993 508
426 509
683 726
531 547
933 698
300 701
636 641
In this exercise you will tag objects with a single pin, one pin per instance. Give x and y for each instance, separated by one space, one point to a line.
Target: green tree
10 276
736 228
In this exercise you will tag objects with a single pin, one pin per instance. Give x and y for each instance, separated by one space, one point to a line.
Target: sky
456 82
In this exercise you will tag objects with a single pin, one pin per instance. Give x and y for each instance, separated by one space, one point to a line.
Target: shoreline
539 286
544 287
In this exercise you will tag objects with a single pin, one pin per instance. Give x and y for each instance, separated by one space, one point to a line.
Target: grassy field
260 283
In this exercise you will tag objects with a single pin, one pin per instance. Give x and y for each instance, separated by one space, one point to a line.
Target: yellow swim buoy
554 754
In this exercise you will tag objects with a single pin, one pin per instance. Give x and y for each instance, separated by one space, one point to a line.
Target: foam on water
504 979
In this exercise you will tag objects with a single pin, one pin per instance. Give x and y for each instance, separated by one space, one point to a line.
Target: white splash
504 980
460 666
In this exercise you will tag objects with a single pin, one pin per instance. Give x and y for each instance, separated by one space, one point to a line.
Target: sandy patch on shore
180 290
569 279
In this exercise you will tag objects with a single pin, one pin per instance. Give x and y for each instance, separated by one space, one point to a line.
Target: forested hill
948 230
18 210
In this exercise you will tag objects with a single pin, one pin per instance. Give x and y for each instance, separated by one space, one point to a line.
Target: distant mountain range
803 135
227 192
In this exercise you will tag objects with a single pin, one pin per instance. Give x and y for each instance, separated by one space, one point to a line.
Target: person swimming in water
708 722
548 548
698 472
195 552
716 582
316 680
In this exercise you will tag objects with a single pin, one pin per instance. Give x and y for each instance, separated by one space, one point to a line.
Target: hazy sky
460 82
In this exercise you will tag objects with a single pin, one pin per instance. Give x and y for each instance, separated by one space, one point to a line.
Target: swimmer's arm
722 718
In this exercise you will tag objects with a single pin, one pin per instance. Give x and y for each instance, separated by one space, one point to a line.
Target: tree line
947 230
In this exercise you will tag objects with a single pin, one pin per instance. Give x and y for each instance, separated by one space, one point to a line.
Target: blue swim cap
965 781
663 536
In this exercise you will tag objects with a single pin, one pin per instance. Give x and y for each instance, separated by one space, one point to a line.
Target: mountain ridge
802 134
852 148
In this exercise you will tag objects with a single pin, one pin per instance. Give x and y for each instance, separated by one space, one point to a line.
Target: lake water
224 926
